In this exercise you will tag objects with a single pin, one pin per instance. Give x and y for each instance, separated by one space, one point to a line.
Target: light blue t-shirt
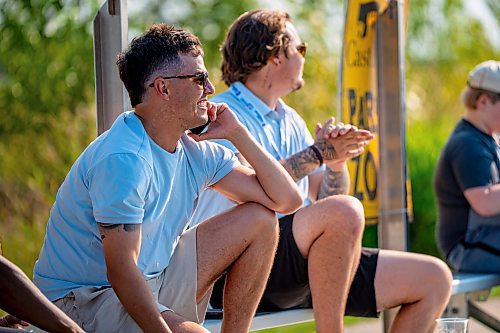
124 177
282 133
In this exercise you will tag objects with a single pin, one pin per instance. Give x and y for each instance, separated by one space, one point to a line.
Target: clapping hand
340 142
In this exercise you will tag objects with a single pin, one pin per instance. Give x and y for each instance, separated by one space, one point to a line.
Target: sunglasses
200 79
302 48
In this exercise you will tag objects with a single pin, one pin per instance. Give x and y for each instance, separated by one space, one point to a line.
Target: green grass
307 327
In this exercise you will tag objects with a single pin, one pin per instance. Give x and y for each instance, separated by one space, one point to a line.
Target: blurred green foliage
47 92
46 98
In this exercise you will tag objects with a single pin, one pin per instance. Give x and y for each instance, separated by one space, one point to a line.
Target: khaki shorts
100 310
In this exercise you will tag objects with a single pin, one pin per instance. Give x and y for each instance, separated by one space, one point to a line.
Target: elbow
292 204
485 210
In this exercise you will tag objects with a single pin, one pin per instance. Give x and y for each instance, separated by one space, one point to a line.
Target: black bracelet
317 153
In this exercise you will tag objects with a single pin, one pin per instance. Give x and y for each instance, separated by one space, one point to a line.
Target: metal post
110 37
392 227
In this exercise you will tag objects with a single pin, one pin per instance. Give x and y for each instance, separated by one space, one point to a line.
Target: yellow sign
359 96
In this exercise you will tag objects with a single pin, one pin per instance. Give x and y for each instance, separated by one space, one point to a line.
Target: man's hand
12 322
331 130
340 142
223 123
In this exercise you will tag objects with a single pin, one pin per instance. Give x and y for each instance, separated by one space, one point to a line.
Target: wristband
317 153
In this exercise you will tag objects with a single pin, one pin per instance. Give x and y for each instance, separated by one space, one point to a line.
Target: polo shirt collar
258 104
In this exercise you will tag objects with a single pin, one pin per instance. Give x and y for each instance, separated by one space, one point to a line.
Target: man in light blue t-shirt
319 262
117 254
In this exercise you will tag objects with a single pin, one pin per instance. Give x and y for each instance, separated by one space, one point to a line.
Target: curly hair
252 39
157 49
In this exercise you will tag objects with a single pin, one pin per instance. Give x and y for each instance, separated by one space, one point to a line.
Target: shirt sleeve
471 163
218 162
118 187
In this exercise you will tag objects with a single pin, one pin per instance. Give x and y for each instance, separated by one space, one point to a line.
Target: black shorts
288 285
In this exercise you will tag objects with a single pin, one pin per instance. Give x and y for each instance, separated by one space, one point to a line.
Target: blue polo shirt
282 132
124 177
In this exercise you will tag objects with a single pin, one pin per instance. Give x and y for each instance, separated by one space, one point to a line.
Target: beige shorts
100 310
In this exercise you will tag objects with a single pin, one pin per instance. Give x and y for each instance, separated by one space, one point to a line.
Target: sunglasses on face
302 48
200 79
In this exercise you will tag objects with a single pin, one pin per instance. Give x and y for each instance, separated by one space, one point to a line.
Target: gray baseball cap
486 76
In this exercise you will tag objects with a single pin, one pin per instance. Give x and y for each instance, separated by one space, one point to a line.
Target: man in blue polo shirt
316 264
117 254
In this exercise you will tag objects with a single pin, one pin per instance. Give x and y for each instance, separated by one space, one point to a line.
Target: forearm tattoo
301 164
327 149
103 227
334 182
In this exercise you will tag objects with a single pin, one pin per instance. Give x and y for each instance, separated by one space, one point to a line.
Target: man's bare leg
328 233
420 283
242 240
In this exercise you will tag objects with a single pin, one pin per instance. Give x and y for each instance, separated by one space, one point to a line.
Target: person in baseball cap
467 179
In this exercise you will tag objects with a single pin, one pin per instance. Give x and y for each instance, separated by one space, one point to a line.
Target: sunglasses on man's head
200 79
302 48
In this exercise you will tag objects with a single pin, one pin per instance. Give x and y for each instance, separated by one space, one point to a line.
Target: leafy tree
208 19
46 87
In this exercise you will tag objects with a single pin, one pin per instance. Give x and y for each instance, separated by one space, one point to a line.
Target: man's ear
276 61
162 89
482 99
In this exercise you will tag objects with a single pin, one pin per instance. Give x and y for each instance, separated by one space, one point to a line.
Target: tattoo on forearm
301 164
327 149
334 182
109 226
103 227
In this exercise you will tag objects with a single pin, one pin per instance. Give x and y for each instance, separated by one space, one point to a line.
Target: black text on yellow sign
359 96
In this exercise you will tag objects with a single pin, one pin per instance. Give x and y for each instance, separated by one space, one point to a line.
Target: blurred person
467 182
117 255
27 305
319 262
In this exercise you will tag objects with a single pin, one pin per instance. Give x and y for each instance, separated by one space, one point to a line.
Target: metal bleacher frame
469 288
466 291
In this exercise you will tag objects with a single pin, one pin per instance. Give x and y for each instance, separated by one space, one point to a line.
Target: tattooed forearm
334 182
301 164
327 149
105 227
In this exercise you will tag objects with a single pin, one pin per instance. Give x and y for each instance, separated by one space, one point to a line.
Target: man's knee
267 222
344 213
441 276
264 220
435 280
179 324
